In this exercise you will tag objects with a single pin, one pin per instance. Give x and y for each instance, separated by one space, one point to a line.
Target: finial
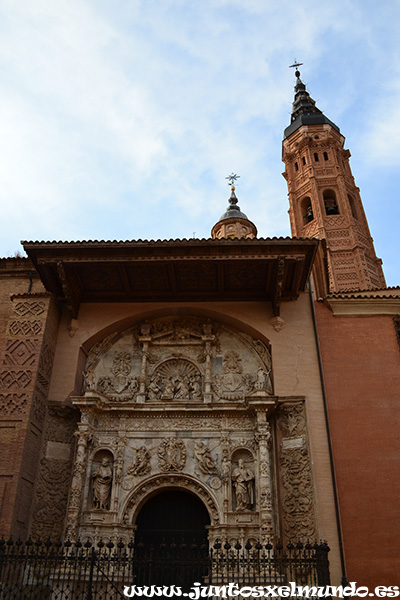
294 66
231 180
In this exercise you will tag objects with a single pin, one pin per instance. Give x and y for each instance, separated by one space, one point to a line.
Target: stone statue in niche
101 486
206 462
243 484
142 464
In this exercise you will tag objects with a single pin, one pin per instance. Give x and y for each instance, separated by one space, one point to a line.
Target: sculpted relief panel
178 360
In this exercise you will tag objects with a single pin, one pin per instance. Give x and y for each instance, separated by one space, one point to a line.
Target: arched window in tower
330 203
307 210
316 158
352 206
303 160
326 157
296 166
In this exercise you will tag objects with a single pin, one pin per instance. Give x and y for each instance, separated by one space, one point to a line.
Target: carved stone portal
183 402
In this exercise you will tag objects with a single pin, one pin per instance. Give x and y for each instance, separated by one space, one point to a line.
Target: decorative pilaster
78 479
296 479
263 439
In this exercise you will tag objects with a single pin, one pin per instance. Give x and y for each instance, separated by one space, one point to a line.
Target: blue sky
120 119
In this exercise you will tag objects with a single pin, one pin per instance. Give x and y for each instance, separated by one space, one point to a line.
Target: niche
101 480
352 206
330 203
307 210
243 480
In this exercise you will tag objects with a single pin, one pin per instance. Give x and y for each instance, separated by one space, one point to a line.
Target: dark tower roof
233 211
233 223
304 111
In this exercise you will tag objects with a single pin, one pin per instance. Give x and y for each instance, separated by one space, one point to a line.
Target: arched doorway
171 540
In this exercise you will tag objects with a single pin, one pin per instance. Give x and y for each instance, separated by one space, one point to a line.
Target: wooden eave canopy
272 269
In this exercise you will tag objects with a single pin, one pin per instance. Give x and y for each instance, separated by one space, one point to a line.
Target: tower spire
304 109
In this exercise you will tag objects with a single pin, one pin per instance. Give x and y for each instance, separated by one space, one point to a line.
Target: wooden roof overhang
272 269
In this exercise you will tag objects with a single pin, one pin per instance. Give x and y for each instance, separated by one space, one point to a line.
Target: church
229 389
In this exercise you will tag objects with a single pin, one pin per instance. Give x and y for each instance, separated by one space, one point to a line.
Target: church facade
233 373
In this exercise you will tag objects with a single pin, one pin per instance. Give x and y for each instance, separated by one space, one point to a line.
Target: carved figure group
102 481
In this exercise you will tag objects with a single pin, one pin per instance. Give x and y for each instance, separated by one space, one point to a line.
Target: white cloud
122 119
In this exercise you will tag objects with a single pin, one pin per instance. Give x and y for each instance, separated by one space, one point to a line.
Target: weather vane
295 65
232 178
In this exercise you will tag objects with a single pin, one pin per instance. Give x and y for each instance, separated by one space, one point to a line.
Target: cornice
364 304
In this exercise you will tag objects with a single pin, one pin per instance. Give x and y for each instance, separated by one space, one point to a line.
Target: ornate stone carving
142 464
295 473
75 499
89 379
298 499
292 421
175 379
167 481
205 460
51 498
54 476
243 484
120 387
171 455
231 385
263 382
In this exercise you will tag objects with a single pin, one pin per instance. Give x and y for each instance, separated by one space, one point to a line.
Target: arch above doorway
178 482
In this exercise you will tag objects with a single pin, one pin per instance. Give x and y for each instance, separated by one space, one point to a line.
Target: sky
120 119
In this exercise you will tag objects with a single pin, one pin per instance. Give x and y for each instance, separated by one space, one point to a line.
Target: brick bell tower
324 199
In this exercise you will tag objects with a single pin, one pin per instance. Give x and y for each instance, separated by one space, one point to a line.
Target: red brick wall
28 327
361 364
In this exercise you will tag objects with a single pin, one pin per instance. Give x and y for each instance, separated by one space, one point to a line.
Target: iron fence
37 570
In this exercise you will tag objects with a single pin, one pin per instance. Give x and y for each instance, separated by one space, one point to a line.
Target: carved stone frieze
175 359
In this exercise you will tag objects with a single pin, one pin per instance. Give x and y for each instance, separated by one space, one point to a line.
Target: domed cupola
233 223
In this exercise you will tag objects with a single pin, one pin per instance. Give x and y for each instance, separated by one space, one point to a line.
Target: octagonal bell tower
324 199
